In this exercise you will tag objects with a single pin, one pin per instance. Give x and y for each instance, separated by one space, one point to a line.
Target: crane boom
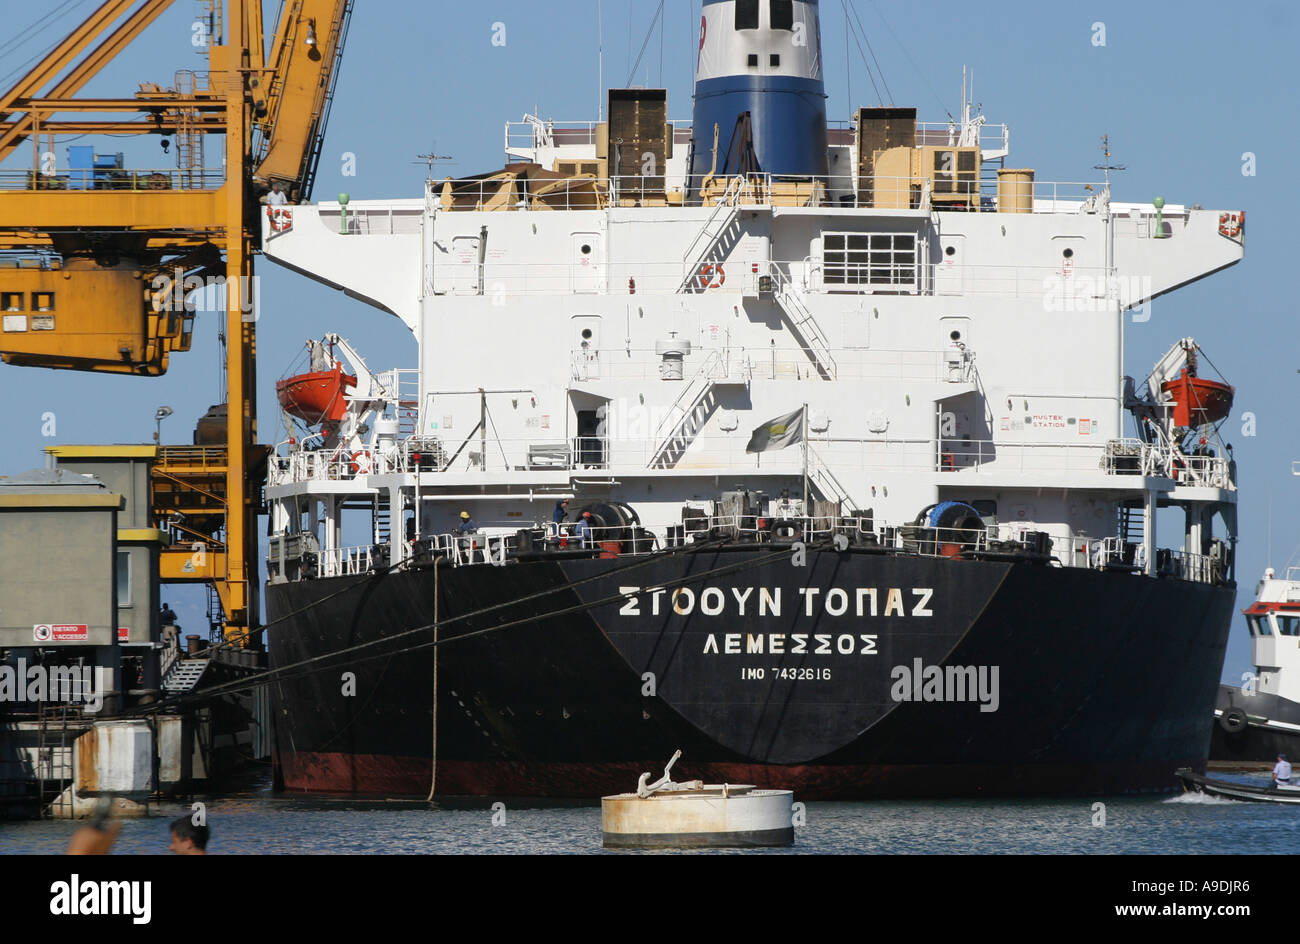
299 87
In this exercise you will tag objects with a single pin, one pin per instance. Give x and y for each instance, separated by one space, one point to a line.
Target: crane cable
35 28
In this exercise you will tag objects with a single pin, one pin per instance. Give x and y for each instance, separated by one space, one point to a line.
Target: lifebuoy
1233 720
280 217
361 462
708 271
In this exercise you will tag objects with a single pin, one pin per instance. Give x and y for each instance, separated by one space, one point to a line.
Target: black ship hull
854 676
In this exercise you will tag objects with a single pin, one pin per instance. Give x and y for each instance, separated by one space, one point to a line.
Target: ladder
189 140
382 515
184 675
819 474
724 214
677 429
1132 523
216 615
803 322
47 769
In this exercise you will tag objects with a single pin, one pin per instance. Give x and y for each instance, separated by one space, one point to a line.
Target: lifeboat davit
1196 401
316 397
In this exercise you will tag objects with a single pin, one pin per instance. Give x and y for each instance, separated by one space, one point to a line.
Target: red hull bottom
388 776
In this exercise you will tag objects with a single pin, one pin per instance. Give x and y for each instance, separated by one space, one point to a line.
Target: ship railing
309 465
1057 545
346 561
1000 456
625 442
132 179
1056 288
1206 471
1134 457
738 364
1200 568
406 455
1116 553
532 133
509 192
394 219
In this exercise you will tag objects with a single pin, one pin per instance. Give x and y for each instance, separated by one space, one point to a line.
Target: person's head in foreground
188 839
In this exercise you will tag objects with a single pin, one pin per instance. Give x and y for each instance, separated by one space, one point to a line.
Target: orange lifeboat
1196 401
316 397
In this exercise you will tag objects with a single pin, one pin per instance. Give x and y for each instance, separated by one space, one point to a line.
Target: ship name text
770 601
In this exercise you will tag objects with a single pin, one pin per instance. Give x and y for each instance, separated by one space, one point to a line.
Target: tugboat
1260 719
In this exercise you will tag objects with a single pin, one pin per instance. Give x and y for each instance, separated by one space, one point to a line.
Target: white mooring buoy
667 814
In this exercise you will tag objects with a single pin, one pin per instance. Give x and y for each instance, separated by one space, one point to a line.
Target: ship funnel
758 81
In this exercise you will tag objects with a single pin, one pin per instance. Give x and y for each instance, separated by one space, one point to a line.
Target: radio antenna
1108 166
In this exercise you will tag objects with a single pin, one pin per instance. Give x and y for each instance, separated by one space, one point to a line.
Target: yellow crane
96 259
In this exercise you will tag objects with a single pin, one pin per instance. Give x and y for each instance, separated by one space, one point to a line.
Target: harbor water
258 822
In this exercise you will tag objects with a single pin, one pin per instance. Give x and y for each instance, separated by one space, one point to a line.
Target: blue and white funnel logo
762 57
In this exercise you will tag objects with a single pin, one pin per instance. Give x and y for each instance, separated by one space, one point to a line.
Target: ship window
774 60
746 14
1252 622
1265 626
1288 625
753 60
869 260
42 301
782 15
11 301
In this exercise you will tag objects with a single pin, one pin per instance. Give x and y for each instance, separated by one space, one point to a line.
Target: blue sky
1183 90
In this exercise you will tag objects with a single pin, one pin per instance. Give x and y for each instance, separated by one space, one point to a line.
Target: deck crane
94 258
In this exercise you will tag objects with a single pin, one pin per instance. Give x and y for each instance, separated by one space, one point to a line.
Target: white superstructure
617 339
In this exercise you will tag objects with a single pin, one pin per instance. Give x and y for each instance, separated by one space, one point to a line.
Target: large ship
803 447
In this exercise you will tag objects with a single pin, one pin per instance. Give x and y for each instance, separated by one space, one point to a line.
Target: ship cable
919 71
633 563
281 673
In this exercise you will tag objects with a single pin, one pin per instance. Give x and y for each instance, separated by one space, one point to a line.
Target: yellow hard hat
464 514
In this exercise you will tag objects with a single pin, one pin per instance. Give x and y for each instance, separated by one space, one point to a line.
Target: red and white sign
60 632
1085 427
123 633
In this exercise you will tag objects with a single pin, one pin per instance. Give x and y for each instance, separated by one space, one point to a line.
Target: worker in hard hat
583 530
466 524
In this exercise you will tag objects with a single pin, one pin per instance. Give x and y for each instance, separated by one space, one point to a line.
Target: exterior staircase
688 413
184 675
723 217
820 475
803 322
